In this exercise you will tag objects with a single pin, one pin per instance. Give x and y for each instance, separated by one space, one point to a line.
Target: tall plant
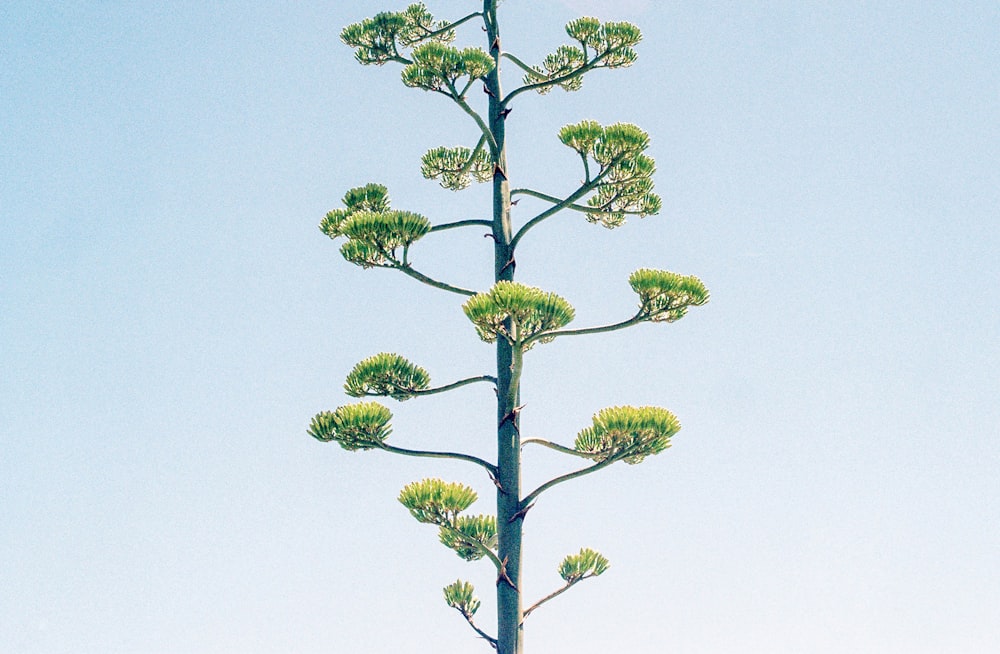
617 183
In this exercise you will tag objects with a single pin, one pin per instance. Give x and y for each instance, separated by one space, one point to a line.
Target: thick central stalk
509 607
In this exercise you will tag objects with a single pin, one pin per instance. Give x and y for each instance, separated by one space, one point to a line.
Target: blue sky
171 318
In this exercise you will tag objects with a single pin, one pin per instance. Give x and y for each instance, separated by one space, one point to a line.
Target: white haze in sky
171 319
607 7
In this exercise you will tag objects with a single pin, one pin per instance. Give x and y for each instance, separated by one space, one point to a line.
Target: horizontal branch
551 211
523 66
483 127
451 26
574 207
464 382
458 456
558 448
475 543
440 389
554 595
407 269
482 634
533 495
612 458
555 200
555 81
634 320
461 223
585 188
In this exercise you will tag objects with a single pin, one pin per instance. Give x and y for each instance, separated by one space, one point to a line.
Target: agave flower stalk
510 316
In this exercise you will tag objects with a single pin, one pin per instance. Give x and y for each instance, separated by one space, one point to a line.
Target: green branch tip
362 426
470 536
371 197
437 502
607 45
374 231
530 311
386 374
461 596
566 60
438 67
582 136
628 433
665 296
378 40
457 167
587 563
626 184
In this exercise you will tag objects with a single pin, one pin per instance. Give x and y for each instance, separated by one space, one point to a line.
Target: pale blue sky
171 318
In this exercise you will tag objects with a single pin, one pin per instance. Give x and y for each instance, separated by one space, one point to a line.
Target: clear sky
171 318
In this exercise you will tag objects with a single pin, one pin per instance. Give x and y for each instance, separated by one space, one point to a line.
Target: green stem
472 157
556 208
490 468
482 634
574 207
533 495
458 384
555 594
509 526
634 320
558 448
483 127
451 26
406 269
407 392
582 70
523 66
475 543
461 223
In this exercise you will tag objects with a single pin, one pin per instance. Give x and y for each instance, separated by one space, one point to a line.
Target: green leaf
420 24
374 231
582 136
461 596
469 535
362 254
626 186
566 60
374 39
386 374
456 167
586 30
332 222
623 195
362 426
563 61
587 563
601 46
388 230
379 39
371 197
434 501
438 67
620 141
628 433
665 296
530 311
374 237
